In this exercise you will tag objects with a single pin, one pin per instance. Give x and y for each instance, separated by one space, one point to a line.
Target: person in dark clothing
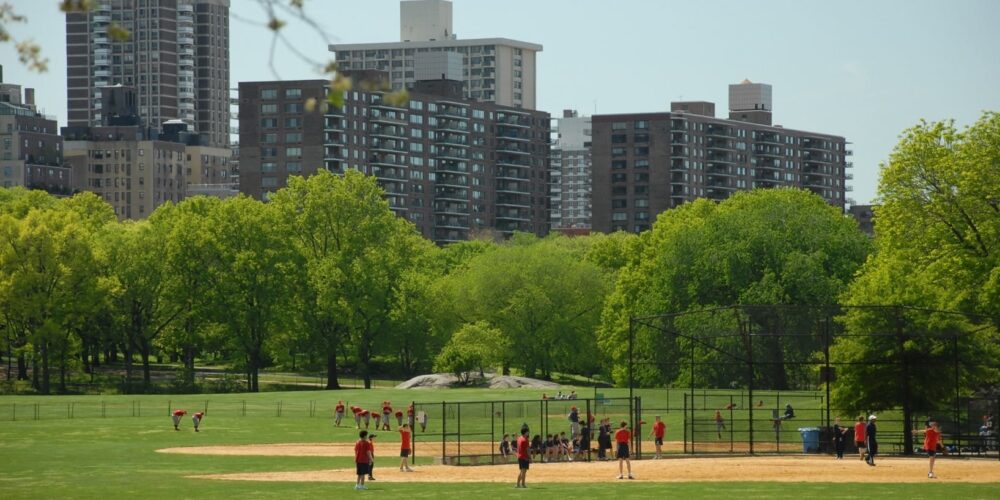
839 438
604 439
584 440
789 412
871 443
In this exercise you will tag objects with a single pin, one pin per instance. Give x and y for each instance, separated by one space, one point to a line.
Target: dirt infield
797 468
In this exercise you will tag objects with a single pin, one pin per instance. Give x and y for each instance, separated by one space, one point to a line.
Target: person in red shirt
932 438
365 416
386 415
859 436
338 413
659 429
399 418
196 419
523 458
404 448
362 459
176 416
623 436
410 413
377 417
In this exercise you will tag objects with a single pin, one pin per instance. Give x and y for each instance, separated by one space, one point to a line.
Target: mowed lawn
93 457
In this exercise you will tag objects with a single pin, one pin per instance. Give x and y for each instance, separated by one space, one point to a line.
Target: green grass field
93 457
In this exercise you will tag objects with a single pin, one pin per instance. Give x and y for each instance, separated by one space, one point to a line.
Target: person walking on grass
932 438
404 448
659 429
523 458
859 437
176 416
839 438
338 413
196 419
720 423
362 459
871 442
623 436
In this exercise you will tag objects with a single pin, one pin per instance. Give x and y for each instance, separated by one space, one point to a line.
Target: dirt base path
780 469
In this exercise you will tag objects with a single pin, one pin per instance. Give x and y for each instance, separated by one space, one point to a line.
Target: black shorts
658 441
859 444
522 463
622 451
363 469
931 453
404 453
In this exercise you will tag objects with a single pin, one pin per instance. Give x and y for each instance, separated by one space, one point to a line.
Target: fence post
140 408
458 417
493 431
444 426
686 423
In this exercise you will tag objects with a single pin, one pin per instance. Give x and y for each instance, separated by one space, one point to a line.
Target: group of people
525 450
382 416
364 454
177 415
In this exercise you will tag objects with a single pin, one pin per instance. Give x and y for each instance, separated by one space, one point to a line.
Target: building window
293 166
618 178
268 123
268 108
642 151
268 152
640 138
293 93
642 164
269 138
641 203
293 122
619 126
293 152
643 177
268 93
618 151
268 166
618 164
619 139
293 137
293 107
619 216
620 203
268 182
641 124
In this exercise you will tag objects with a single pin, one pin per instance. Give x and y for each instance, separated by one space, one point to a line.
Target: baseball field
273 445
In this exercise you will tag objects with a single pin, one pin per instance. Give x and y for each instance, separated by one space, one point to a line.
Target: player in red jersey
659 429
404 448
523 458
176 416
859 436
362 459
366 416
622 437
338 413
386 415
196 419
932 438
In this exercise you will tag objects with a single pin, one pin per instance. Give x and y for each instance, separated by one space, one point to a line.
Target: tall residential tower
176 57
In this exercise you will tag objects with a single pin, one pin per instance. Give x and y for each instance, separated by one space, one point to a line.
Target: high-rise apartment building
646 163
496 70
31 150
571 171
455 167
176 58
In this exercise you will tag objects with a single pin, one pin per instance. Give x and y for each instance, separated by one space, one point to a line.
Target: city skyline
864 73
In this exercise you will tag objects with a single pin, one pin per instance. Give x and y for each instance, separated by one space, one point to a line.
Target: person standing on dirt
585 440
574 421
603 439
932 438
523 458
505 448
839 438
404 448
371 464
622 437
659 429
362 459
870 441
859 437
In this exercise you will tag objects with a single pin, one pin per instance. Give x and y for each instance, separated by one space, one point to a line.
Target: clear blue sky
862 69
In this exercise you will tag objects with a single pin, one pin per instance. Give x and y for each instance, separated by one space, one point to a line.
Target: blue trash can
810 439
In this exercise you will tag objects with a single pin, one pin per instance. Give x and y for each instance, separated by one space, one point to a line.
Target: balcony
713 130
716 143
451 193
718 194
514 134
451 222
508 119
386 116
452 166
513 200
452 152
100 18
453 180
677 151
516 214
678 138
390 131
813 143
391 160
511 174
388 145
512 147
762 150
849 176
395 174
185 30
331 123
453 125
512 161
721 169
513 187
510 226
450 207
334 138
716 156
453 111
453 139
767 137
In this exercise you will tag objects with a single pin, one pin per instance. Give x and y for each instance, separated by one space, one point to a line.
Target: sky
866 70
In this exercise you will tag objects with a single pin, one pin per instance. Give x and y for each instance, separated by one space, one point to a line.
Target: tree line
325 275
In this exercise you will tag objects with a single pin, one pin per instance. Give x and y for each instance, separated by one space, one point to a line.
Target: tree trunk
62 372
189 365
127 355
22 367
364 356
46 377
506 369
331 370
144 353
34 369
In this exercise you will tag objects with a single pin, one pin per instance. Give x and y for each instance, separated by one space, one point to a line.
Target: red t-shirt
355 410
522 448
399 414
199 414
859 432
361 449
659 428
931 439
623 436
409 411
375 413
364 413
340 408
179 413
404 436
386 409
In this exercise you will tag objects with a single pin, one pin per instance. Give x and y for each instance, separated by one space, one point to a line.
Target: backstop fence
752 376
